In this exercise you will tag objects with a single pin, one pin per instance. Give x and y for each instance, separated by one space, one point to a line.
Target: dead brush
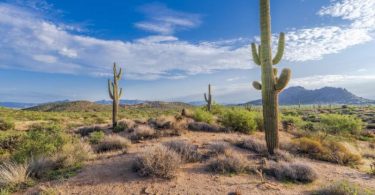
157 161
142 132
231 163
12 174
112 143
187 151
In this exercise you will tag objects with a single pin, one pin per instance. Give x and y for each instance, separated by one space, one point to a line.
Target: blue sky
170 50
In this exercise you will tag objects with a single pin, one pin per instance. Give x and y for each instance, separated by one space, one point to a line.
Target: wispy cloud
46 46
162 20
318 81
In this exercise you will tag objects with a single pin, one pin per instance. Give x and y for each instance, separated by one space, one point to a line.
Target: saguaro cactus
271 84
208 98
115 93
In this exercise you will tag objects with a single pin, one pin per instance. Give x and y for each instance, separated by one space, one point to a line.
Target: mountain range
326 95
291 96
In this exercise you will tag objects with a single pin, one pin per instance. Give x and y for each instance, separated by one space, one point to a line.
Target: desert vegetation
176 148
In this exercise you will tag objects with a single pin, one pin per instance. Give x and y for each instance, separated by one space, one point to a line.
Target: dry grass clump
13 174
219 147
187 151
112 143
295 172
254 145
69 156
126 123
143 132
228 163
344 188
85 131
325 150
157 161
164 122
202 126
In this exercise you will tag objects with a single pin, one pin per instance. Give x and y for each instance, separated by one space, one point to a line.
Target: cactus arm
255 54
280 49
205 97
110 90
119 75
120 93
283 79
257 85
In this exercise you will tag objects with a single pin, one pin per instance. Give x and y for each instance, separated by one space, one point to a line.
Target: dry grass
295 172
126 123
112 143
228 164
143 132
330 151
157 161
219 147
344 188
165 122
187 151
254 145
85 131
202 126
13 174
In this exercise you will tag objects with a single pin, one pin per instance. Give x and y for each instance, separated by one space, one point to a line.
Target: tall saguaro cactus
208 98
115 93
271 84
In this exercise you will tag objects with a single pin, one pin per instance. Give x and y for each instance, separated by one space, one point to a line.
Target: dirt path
115 176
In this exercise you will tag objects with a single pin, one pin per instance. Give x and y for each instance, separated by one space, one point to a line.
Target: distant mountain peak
327 95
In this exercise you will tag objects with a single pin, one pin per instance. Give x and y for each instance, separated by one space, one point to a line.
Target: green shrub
239 120
336 123
9 141
38 142
201 115
6 124
96 137
289 122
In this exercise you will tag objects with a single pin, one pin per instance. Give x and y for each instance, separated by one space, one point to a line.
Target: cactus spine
271 84
115 93
208 98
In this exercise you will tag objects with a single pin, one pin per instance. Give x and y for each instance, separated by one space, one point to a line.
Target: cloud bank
32 42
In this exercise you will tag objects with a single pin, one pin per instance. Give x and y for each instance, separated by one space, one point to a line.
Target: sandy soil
114 175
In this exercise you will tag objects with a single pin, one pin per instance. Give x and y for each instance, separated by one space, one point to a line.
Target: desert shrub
41 142
126 123
253 144
96 137
344 188
164 122
85 131
143 132
219 147
9 141
290 122
119 128
157 161
239 120
201 115
13 174
187 151
6 124
326 150
202 126
112 143
71 155
228 164
295 172
258 117
217 109
336 123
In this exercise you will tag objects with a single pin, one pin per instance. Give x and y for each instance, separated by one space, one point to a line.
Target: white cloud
45 46
318 81
165 21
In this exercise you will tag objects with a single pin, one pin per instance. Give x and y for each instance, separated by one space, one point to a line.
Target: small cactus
271 84
208 98
114 93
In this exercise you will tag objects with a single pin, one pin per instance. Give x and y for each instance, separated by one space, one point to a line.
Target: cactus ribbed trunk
115 94
208 98
271 84
269 96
